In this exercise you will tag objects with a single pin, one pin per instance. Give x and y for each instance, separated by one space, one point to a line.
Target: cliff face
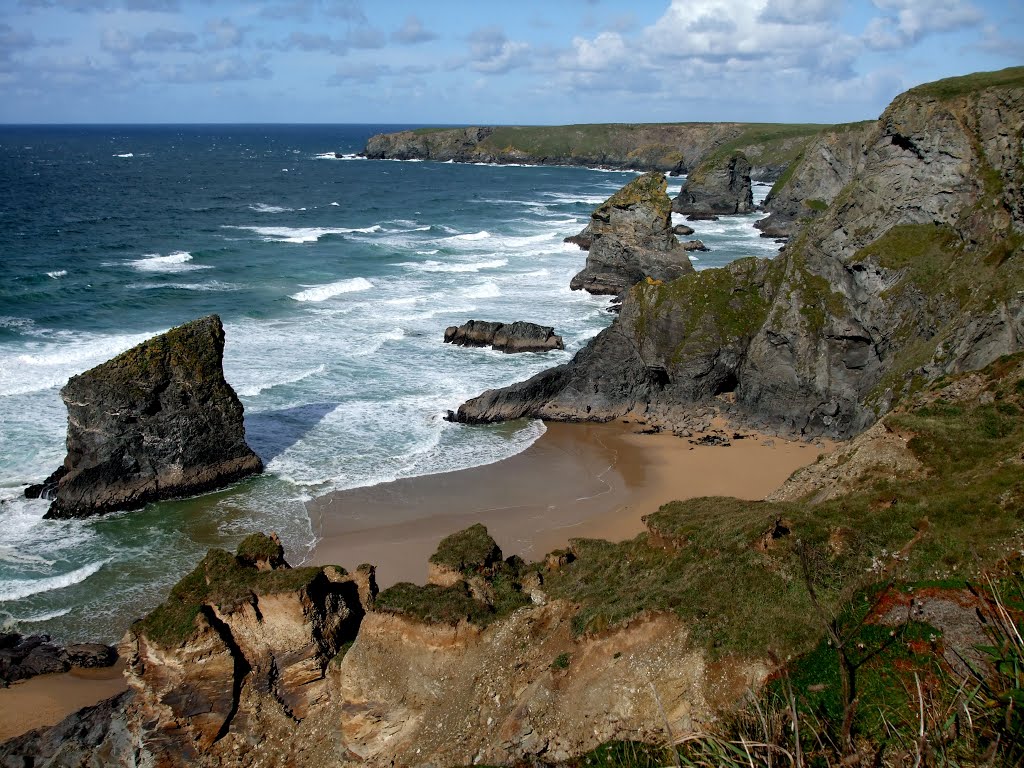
815 179
717 186
915 270
157 421
671 147
630 238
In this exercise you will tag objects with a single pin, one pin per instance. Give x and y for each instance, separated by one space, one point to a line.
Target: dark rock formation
157 421
717 186
913 271
665 147
695 245
510 338
816 178
24 657
678 229
94 737
630 238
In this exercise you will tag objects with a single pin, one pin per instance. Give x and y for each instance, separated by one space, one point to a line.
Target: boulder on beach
629 238
505 337
156 422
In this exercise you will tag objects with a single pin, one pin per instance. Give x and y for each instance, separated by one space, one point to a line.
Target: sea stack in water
630 238
156 422
511 337
717 186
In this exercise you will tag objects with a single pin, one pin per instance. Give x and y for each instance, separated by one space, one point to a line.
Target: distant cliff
665 147
913 270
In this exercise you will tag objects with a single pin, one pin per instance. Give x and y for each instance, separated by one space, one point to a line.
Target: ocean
335 279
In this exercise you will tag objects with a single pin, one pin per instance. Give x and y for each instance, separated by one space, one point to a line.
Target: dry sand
577 480
48 699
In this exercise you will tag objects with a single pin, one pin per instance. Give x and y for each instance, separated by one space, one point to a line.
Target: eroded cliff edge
912 271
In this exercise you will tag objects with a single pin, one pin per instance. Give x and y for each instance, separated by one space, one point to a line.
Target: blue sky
447 61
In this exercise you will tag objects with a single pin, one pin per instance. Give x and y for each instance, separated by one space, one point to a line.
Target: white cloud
492 52
412 32
905 22
224 33
218 69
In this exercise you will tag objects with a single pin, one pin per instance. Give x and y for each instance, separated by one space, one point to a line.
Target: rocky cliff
630 238
668 147
157 421
719 185
810 185
913 271
654 639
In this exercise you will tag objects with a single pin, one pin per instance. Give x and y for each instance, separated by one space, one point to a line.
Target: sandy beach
577 480
48 699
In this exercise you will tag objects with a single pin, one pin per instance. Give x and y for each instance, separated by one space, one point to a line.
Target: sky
531 62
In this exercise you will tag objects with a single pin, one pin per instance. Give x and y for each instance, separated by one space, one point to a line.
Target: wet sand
48 699
577 480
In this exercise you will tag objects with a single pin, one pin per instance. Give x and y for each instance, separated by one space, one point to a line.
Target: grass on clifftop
220 579
737 596
953 87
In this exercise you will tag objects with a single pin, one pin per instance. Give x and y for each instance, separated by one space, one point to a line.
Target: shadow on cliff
271 433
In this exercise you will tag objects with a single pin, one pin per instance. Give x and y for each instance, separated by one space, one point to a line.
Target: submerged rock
629 238
717 186
156 422
504 337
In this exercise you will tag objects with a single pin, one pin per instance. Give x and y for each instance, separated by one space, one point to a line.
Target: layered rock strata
914 270
717 186
156 422
505 337
815 179
630 238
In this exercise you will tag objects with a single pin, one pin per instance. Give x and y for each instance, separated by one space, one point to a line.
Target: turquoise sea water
335 280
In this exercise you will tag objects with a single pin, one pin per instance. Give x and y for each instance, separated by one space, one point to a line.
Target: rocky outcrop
913 271
717 186
630 238
814 181
237 649
504 337
666 148
24 657
156 422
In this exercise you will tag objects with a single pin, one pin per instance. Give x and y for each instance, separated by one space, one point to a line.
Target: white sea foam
15 589
324 292
470 237
255 389
56 274
52 363
126 154
332 156
336 204
263 208
36 618
488 290
437 266
306 234
212 285
178 261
